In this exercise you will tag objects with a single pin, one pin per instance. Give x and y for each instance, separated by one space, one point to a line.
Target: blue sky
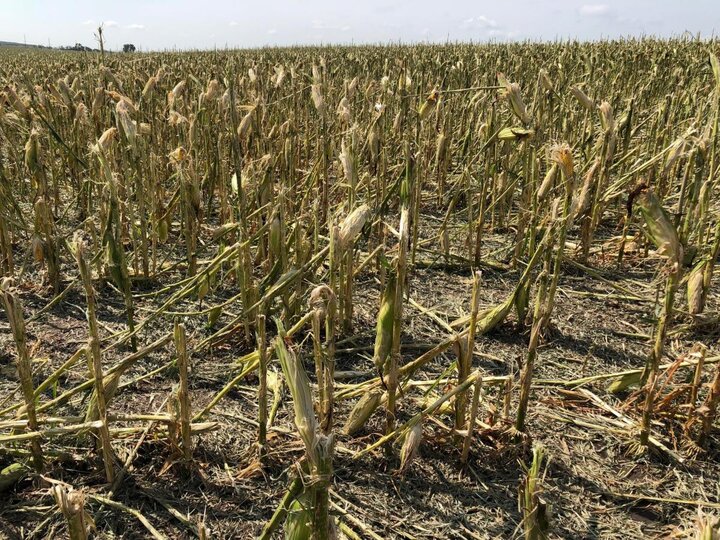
185 24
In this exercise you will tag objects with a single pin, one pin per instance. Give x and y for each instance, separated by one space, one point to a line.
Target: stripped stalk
14 312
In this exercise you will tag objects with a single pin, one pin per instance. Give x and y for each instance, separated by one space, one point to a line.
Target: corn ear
695 289
410 446
353 225
659 227
384 327
362 411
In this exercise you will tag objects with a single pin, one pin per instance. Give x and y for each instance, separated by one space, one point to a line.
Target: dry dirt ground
592 469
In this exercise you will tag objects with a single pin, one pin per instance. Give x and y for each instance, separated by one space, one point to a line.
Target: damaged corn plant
346 292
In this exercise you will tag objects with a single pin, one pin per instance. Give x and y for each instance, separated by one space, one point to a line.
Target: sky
207 24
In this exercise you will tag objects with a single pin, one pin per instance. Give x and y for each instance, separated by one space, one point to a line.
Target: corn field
432 291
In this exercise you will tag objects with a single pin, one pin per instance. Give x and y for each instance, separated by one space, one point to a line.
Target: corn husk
275 238
411 445
176 119
489 318
38 249
247 124
429 400
373 142
176 93
582 200
715 64
562 155
429 104
384 326
511 92
317 99
82 115
659 227
522 301
362 411
299 385
17 103
178 155
72 506
105 140
32 151
545 80
348 163
582 98
299 519
547 182
441 147
212 92
515 134
695 289
353 224
163 229
343 111
607 120
320 297
11 475
149 87
124 120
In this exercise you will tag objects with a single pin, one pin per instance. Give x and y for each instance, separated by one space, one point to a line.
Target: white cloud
345 28
110 24
486 21
234 23
135 26
89 22
594 10
272 31
481 21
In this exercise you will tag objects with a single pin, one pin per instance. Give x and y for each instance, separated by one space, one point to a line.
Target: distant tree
128 47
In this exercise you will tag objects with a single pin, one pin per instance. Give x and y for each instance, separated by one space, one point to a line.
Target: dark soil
591 473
